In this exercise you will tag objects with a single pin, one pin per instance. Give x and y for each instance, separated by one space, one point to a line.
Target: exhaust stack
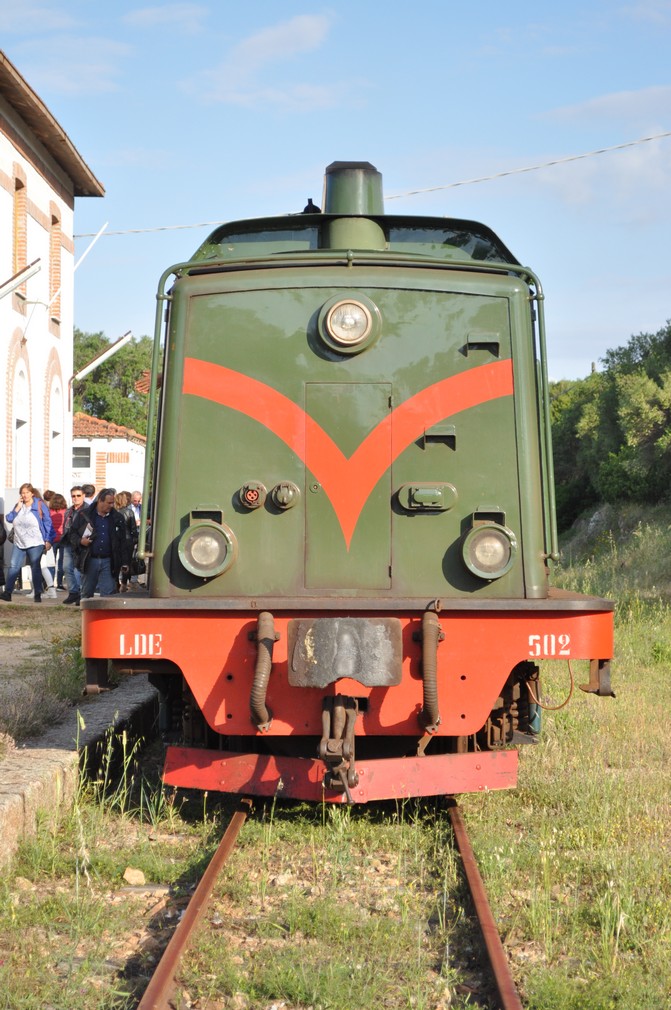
353 192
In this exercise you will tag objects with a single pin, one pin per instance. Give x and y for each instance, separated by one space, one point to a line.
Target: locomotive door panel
347 510
464 459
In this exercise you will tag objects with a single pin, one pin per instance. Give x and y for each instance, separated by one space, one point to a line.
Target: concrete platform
40 776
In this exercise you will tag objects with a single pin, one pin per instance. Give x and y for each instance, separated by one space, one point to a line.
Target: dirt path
25 624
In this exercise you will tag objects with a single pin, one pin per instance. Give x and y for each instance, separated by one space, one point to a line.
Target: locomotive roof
437 238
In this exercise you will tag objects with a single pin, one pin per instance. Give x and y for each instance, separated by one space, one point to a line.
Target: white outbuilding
106 454
41 174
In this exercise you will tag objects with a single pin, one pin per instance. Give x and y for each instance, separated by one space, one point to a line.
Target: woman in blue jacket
33 536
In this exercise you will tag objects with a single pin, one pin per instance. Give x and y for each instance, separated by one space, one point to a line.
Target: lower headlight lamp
207 549
489 550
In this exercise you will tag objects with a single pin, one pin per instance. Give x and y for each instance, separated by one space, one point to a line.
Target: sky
197 113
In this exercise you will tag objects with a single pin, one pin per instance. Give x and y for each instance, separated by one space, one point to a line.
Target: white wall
37 422
105 473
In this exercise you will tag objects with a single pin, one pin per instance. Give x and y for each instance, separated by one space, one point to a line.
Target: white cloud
281 42
186 16
292 98
240 78
653 11
23 18
73 65
546 38
645 106
627 187
631 181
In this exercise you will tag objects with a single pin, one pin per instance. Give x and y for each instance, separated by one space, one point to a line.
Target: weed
43 689
612 919
333 907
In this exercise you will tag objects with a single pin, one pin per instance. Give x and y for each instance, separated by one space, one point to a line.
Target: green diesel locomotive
351 509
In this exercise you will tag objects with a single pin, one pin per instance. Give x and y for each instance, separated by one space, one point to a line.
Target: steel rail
162 982
508 994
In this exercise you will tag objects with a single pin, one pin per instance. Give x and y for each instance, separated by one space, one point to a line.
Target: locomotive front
351 510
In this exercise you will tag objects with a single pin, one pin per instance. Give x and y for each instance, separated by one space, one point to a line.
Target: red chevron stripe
347 481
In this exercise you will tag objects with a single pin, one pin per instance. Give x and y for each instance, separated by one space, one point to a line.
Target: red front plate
301 778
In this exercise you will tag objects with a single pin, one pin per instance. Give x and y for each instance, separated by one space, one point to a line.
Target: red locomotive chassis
215 649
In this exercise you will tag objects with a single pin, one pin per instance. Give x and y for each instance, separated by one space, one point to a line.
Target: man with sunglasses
101 548
73 577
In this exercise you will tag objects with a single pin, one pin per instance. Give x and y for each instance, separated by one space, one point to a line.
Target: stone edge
40 778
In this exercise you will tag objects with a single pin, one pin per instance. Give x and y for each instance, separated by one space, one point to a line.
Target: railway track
162 983
497 958
159 992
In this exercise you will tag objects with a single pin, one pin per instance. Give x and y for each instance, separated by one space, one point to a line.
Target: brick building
41 174
106 454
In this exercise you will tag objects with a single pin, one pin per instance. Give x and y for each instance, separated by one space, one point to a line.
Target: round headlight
489 550
350 324
207 549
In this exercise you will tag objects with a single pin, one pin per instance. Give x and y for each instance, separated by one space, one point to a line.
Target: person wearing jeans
33 535
98 577
98 538
72 575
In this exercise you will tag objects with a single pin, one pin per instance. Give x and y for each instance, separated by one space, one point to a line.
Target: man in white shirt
136 503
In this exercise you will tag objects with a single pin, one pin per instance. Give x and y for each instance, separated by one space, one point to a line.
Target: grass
65 908
46 681
578 858
325 907
342 910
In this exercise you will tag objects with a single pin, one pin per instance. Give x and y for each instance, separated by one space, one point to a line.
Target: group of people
88 547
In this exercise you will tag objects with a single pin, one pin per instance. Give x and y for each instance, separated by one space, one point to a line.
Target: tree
650 352
583 429
612 431
640 373
109 392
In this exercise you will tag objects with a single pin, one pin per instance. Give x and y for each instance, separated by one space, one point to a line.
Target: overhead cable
417 192
531 168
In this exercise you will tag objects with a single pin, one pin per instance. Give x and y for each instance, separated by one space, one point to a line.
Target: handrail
545 419
161 298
